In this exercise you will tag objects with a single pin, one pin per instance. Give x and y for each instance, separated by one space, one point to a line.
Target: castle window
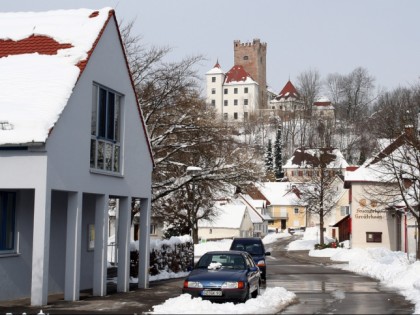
235 102
213 102
213 79
246 90
245 57
245 115
225 102
235 90
225 116
235 115
245 101
225 91
213 91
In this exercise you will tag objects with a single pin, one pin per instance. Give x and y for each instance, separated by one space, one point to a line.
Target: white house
232 220
71 136
234 94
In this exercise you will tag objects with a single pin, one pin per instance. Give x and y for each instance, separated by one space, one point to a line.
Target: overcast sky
330 36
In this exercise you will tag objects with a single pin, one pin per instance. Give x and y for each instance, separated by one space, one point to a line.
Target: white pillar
101 246
41 247
73 246
123 237
144 244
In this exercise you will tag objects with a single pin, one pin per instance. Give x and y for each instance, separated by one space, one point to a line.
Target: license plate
211 293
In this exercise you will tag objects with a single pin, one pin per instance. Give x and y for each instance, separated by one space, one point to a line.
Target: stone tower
252 56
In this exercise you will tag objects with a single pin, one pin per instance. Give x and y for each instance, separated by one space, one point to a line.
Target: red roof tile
237 74
40 44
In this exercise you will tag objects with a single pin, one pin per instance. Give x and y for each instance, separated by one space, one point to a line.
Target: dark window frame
373 237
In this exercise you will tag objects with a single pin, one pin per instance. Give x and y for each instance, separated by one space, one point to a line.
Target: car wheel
256 292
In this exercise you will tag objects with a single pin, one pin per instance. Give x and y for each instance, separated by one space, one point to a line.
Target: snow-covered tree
269 157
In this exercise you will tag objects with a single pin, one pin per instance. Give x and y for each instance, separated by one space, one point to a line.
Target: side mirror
253 269
267 254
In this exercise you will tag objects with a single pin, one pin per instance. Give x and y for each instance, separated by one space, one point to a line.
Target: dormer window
105 148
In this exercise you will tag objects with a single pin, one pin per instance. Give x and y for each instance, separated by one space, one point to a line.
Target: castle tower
252 56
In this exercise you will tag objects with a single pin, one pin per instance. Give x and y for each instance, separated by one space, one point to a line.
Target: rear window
252 247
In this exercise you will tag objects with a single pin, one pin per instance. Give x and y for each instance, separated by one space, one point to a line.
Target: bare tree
309 87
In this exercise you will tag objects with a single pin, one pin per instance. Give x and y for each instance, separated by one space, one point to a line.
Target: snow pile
214 266
310 238
272 237
272 301
202 248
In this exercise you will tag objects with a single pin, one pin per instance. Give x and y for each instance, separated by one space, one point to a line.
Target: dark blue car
255 247
224 276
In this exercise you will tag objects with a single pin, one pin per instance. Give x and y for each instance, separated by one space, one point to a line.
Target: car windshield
221 261
252 248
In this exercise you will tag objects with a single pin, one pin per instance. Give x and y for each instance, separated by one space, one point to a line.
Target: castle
242 91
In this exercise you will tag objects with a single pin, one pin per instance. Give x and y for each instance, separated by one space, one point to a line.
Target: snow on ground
393 269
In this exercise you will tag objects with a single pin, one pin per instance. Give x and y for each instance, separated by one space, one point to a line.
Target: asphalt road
320 290
326 290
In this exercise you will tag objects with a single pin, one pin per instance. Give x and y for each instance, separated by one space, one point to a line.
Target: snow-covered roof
288 91
228 216
238 74
304 157
216 69
279 193
41 57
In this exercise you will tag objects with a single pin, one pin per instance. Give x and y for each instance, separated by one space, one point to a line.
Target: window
235 91
235 102
225 102
210 231
7 221
235 115
225 91
245 101
213 91
153 229
225 116
245 115
213 79
105 131
296 210
344 210
373 237
213 102
246 90
245 57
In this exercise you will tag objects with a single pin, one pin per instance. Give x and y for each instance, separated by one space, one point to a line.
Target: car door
253 273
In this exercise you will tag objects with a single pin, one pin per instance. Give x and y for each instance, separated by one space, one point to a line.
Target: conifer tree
269 157
278 169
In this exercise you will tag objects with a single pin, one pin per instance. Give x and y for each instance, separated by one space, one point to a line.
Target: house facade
232 220
381 219
74 137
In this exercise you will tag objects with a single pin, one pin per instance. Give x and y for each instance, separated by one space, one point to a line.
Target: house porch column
144 244
123 242
41 246
101 246
73 246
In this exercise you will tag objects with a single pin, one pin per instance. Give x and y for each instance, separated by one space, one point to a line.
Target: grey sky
331 36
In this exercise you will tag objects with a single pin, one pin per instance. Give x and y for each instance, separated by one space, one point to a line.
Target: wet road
326 290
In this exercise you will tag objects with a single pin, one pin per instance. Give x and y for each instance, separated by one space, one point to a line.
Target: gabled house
377 219
287 104
323 109
72 135
232 220
283 205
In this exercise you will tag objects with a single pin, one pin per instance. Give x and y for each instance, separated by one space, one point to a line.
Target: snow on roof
238 74
288 90
216 69
228 216
279 193
303 157
37 81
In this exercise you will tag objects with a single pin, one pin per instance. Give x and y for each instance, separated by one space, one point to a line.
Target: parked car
255 247
224 276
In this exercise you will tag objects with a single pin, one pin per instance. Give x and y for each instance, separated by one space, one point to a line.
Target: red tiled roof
40 44
288 90
237 74
322 103
217 65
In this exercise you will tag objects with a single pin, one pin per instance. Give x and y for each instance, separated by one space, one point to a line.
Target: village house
378 219
72 136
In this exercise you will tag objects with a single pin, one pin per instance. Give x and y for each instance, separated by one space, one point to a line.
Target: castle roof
216 69
322 102
238 74
288 90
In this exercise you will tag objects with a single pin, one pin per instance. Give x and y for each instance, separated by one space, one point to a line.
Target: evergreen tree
278 168
269 157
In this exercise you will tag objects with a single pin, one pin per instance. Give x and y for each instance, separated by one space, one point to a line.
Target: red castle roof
289 90
237 74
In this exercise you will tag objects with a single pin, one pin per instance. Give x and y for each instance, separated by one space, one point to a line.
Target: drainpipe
405 232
